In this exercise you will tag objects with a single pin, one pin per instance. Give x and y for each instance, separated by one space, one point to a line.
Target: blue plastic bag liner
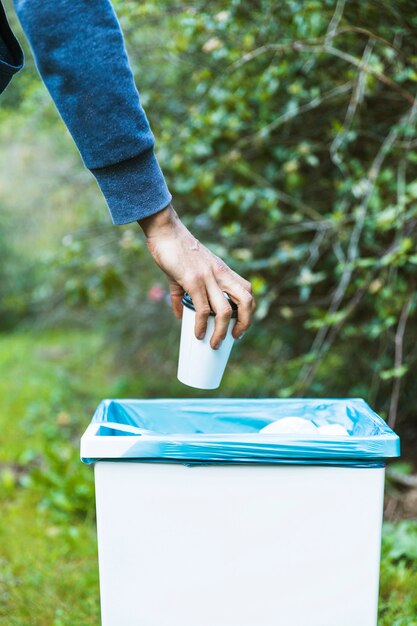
227 431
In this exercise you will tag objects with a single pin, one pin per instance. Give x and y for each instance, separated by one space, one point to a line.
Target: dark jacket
11 55
80 54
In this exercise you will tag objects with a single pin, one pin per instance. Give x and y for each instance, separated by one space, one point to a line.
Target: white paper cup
199 365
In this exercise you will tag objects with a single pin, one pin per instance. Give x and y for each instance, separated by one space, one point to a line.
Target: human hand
192 267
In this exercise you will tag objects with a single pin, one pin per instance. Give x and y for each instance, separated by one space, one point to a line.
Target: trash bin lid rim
205 446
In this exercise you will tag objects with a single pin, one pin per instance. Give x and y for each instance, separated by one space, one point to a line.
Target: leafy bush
290 147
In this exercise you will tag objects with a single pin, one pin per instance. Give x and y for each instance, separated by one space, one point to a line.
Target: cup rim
188 302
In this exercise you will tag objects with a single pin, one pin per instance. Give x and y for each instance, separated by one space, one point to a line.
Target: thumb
177 293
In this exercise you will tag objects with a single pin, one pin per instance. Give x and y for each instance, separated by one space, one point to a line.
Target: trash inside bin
205 520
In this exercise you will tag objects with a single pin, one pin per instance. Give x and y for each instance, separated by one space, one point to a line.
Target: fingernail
241 335
200 336
217 345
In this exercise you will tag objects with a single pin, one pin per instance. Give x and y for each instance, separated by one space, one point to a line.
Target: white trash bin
204 522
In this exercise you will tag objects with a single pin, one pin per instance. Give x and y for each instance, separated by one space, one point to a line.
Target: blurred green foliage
287 133
9 300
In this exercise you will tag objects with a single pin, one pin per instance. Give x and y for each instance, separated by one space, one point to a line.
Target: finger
245 308
202 310
177 293
223 311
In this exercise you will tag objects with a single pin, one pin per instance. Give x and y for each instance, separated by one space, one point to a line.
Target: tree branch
398 361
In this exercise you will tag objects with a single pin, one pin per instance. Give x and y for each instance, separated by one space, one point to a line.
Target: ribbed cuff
133 189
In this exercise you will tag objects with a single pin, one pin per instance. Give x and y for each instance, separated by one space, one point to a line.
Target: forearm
79 51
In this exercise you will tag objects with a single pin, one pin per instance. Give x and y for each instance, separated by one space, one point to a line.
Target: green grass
50 384
398 583
49 387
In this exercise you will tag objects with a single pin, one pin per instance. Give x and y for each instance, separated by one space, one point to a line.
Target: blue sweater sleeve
80 53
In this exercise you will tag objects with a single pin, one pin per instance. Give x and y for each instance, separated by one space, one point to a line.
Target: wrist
162 221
